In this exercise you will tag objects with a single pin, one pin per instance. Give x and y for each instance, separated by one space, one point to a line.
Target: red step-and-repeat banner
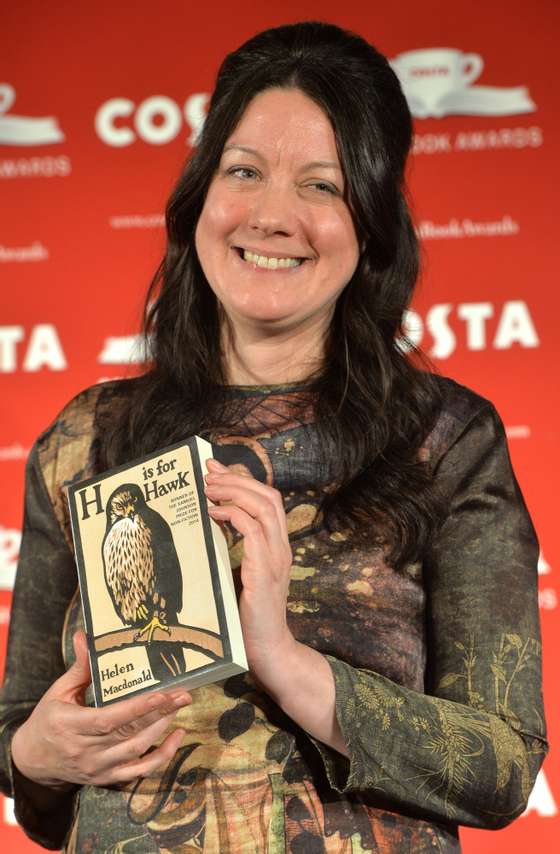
100 103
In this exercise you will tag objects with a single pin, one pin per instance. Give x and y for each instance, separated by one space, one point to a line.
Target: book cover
155 578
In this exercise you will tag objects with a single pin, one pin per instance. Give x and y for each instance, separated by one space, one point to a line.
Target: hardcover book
155 578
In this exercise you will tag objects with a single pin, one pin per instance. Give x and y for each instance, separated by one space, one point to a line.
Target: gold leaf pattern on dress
300 573
302 607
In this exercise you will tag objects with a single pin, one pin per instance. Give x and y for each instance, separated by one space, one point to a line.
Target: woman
393 690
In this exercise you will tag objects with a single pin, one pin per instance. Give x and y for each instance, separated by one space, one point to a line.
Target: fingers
127 760
149 763
216 471
133 748
109 746
123 718
246 525
264 538
72 684
258 500
64 741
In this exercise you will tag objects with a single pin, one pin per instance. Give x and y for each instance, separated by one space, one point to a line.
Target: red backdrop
99 105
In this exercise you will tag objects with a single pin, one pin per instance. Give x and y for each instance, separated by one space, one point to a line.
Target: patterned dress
436 666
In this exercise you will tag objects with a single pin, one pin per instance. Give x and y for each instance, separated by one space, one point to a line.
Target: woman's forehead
285 122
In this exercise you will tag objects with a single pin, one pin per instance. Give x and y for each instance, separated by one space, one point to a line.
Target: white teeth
270 263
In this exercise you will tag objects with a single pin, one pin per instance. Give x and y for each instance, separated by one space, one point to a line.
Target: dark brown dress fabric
437 665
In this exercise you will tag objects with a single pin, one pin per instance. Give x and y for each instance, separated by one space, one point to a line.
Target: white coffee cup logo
25 130
428 75
438 82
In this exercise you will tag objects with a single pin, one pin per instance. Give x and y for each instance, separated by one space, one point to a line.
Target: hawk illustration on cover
143 576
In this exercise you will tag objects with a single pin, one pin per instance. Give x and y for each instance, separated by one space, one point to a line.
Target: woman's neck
259 358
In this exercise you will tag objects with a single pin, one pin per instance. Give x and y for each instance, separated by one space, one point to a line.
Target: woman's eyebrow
322 164
245 148
315 164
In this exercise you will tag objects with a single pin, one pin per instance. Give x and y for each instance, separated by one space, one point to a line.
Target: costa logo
541 800
10 541
515 326
25 130
466 322
40 349
548 598
544 566
122 350
157 120
438 82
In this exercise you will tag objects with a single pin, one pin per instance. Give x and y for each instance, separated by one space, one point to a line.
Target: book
155 579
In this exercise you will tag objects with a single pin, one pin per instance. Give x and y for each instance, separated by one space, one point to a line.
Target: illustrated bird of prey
143 575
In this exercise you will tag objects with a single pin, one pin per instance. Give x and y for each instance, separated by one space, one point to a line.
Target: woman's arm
45 583
50 740
469 750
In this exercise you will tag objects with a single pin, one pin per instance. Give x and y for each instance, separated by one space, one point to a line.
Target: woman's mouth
268 262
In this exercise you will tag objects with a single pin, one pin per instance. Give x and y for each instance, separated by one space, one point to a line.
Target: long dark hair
373 406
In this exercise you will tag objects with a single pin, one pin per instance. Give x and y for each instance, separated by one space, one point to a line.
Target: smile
267 262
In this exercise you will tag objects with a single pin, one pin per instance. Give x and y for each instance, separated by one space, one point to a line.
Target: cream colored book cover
157 590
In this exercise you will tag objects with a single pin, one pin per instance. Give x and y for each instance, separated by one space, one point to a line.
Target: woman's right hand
63 741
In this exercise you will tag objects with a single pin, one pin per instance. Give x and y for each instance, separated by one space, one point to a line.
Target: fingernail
217 464
178 694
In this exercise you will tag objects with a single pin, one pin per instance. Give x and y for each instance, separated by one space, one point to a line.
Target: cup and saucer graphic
437 82
25 130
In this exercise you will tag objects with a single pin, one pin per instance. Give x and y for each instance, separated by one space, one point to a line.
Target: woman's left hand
256 511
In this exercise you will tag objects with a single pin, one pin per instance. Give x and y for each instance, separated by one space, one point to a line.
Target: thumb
76 679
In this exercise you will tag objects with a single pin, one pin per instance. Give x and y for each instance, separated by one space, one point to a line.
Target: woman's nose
274 211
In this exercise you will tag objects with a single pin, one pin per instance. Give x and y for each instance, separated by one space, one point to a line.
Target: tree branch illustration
201 640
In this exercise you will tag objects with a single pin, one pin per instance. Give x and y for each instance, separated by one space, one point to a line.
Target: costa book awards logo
28 131
436 82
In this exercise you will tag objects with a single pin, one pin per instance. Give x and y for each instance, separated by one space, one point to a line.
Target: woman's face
275 238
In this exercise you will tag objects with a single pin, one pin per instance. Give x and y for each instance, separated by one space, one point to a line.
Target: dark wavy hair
373 406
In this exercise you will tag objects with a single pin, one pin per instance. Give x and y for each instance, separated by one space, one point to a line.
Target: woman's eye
242 172
325 188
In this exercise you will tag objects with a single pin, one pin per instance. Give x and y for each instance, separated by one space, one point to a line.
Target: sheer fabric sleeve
45 583
469 749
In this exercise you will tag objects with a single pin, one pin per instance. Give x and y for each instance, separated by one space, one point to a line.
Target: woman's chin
261 315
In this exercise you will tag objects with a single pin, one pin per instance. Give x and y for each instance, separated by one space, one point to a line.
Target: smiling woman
371 512
275 239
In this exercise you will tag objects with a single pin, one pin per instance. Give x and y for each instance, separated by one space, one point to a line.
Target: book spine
82 581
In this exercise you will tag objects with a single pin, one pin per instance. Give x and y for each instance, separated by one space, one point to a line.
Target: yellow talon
149 630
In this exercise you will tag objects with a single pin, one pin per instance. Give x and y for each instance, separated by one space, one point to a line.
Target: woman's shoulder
458 401
82 414
460 407
64 452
